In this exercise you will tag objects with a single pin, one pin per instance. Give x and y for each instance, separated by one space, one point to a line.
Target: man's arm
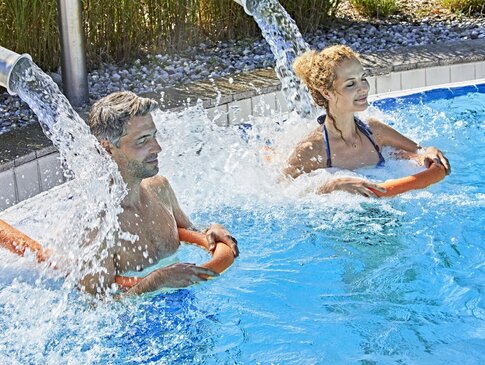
174 276
101 278
177 275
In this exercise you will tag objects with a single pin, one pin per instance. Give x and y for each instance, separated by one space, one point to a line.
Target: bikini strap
364 128
321 120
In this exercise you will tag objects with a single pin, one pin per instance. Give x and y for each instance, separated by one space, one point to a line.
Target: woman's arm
388 136
352 185
405 147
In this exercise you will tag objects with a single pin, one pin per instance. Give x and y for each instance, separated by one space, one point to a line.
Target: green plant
310 14
465 6
123 30
30 26
375 8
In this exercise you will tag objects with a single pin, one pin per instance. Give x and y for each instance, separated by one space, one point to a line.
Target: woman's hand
352 185
217 233
434 155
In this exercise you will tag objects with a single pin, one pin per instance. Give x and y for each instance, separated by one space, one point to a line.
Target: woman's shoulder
383 133
311 141
374 123
313 135
378 129
307 155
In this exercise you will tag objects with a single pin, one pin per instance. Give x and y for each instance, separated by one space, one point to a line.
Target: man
124 126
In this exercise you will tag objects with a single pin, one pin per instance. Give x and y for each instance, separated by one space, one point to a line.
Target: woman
337 82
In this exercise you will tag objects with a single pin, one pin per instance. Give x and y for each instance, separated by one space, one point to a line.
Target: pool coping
30 164
406 92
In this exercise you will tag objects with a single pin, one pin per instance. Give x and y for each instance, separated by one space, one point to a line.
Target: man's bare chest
155 231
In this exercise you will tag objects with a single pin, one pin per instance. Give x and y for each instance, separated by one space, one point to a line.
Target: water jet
286 43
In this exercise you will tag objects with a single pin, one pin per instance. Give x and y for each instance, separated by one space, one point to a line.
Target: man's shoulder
157 182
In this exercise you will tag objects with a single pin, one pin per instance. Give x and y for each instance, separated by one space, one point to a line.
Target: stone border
29 164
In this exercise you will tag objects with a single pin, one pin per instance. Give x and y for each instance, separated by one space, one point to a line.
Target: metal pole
73 53
8 61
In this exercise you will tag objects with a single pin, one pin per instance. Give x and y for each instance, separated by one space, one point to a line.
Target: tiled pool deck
29 164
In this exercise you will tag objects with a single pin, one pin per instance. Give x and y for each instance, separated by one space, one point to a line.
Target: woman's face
350 88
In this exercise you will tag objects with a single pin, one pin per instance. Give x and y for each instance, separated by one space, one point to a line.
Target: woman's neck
341 125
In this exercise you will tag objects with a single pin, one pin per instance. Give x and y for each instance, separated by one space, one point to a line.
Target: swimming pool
332 279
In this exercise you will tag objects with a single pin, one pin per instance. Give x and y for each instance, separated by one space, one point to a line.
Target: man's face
137 154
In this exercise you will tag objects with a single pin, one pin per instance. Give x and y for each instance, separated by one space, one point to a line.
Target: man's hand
217 233
352 185
434 155
181 275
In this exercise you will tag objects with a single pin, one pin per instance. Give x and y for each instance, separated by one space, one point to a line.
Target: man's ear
107 145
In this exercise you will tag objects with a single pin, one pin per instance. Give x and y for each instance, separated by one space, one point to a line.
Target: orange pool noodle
17 242
421 180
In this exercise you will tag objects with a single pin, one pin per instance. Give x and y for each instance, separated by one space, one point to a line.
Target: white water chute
8 62
248 5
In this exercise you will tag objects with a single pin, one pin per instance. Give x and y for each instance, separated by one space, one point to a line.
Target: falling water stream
95 179
286 43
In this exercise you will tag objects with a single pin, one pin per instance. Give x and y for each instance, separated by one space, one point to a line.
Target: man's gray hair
109 115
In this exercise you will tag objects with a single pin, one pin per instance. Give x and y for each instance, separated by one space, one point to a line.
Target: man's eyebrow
152 132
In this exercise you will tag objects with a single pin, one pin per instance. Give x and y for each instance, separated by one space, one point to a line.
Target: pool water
334 279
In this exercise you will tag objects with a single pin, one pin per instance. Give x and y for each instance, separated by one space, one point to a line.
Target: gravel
205 61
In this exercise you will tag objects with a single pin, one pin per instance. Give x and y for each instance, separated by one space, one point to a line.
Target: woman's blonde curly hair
318 69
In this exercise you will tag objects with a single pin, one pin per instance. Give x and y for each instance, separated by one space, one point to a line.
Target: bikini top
364 128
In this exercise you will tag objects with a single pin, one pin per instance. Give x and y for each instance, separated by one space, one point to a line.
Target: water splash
286 43
351 257
96 181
